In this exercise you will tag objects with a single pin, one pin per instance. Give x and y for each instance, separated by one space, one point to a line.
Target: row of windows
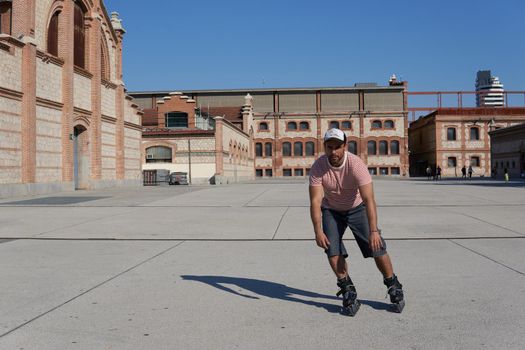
383 147
343 125
384 171
286 172
503 165
299 149
451 134
309 148
452 162
306 171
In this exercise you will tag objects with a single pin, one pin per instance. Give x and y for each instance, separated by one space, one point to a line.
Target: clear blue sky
434 45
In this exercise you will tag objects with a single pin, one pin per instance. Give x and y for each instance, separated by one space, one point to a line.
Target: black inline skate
347 289
395 290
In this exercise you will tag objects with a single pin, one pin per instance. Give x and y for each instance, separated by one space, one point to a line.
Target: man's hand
322 240
375 241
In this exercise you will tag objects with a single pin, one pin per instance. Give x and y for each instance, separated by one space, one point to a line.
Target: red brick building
65 119
211 145
288 124
455 137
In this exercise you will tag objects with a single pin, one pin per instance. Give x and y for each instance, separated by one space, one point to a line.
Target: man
470 171
341 195
464 172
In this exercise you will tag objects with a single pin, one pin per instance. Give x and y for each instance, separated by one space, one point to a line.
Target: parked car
178 178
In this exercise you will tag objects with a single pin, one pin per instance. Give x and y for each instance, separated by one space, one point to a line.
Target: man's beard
335 161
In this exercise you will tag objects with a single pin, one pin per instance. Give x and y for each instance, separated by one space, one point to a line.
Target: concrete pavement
236 267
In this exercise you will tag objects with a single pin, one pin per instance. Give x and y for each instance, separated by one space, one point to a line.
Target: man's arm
316 197
367 194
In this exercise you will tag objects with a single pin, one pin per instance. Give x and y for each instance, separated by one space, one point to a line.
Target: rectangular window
268 149
298 172
268 172
451 134
474 161
452 162
383 171
258 172
474 133
258 149
287 172
298 149
372 171
176 120
394 171
307 171
287 149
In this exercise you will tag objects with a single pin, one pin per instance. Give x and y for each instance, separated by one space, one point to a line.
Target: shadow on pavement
276 291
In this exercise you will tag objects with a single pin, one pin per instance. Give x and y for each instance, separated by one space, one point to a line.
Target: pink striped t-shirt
340 185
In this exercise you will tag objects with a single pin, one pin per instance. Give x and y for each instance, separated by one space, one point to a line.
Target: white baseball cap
335 134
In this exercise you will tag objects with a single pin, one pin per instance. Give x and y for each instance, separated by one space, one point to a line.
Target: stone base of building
224 180
33 189
101 184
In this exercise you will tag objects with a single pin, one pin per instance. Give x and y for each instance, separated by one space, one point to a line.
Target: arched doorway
81 157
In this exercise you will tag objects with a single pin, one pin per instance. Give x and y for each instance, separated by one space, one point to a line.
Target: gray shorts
334 226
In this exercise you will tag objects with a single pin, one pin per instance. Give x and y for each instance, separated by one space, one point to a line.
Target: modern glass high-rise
489 90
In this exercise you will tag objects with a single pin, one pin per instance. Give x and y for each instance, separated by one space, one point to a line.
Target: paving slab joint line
260 194
85 222
519 234
90 289
486 257
7 239
280 221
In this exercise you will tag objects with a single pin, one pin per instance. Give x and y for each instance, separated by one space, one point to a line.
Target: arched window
268 149
158 154
347 124
352 147
383 147
304 126
176 120
334 124
394 147
104 58
376 124
258 149
52 34
287 149
79 38
389 124
474 133
310 148
291 126
298 149
372 147
263 126
5 17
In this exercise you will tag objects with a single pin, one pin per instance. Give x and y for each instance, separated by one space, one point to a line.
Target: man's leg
339 266
384 264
